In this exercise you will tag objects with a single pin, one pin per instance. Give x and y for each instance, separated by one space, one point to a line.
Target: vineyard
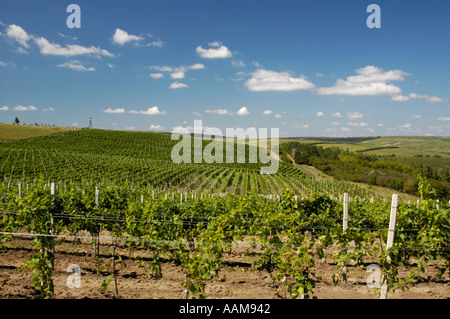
109 210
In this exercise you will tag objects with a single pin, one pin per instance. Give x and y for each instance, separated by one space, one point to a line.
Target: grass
10 132
401 146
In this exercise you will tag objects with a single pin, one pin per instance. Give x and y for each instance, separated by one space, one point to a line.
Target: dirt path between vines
237 279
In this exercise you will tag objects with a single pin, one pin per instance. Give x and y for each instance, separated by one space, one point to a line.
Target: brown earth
237 279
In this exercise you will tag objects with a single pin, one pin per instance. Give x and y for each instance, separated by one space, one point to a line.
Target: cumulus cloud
121 37
48 109
337 114
75 65
178 85
5 64
156 75
47 48
239 63
25 108
177 72
243 111
18 34
441 118
267 112
219 112
434 99
428 98
354 115
153 111
217 51
319 114
4 108
266 80
358 124
116 111
370 80
156 127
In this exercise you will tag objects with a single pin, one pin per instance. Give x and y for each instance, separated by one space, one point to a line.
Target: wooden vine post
390 239
52 230
96 235
344 228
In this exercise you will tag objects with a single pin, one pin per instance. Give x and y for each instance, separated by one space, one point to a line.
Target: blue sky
309 68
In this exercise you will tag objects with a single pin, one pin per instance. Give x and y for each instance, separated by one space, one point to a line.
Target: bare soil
237 279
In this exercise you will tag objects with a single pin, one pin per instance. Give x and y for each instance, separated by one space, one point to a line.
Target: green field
387 145
18 132
143 159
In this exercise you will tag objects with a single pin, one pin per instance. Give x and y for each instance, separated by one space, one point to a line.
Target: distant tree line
386 171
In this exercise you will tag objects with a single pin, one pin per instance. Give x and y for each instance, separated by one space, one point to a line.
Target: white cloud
336 123
219 112
404 126
163 68
256 64
403 98
408 128
278 116
337 114
156 75
400 98
121 37
215 44
434 99
239 63
115 111
48 48
49 109
345 129
25 108
416 116
243 111
441 118
178 85
65 36
75 124
129 128
177 75
22 50
380 125
370 80
156 127
319 114
267 112
4 108
18 34
355 115
177 72
153 111
220 53
158 43
358 124
266 80
196 66
75 65
306 126
5 64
